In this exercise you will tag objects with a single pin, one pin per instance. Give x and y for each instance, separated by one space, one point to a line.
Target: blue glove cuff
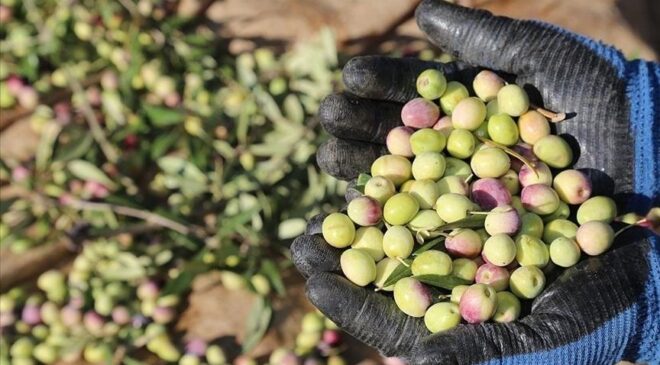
644 95
643 91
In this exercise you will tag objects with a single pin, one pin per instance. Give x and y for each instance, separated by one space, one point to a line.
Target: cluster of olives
489 224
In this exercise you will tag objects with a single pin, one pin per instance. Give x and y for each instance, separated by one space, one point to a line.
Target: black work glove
600 311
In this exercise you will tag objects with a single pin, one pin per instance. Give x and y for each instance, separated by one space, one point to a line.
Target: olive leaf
87 171
442 281
162 117
473 221
362 179
429 245
46 145
257 323
401 271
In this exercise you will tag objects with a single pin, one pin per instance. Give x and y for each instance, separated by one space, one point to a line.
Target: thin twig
94 126
511 152
130 212
554 117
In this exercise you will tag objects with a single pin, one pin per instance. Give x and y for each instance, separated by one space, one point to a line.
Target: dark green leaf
362 179
230 224
401 271
445 281
76 148
45 148
429 245
162 117
473 221
257 323
179 285
162 144
87 171
269 268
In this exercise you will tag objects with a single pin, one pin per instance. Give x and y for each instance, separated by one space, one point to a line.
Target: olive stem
554 117
402 261
636 224
509 151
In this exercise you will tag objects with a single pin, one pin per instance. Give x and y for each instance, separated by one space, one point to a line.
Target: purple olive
543 175
489 193
121 316
31 314
540 199
364 211
495 276
196 346
420 113
478 303
464 242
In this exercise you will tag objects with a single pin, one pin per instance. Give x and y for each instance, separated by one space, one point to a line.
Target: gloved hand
602 310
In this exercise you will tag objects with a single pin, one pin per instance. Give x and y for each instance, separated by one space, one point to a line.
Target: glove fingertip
314 225
345 159
312 255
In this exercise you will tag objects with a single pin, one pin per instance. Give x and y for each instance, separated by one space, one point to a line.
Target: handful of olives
463 216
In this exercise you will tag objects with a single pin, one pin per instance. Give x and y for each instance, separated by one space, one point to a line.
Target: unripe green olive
427 140
370 240
358 266
426 191
453 207
527 282
554 151
564 252
384 269
454 93
400 209
442 317
598 208
398 242
431 262
490 162
531 251
397 169
461 143
512 100
412 297
503 129
431 84
508 308
464 268
429 165
379 188
338 230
